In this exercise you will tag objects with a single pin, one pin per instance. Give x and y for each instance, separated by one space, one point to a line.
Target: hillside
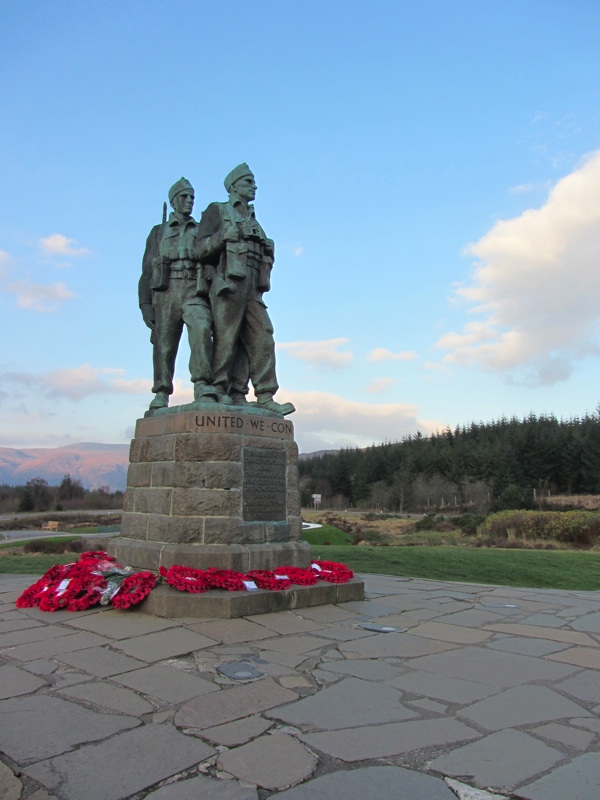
91 463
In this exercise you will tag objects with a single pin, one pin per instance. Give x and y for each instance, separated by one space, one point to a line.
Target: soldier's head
181 197
240 183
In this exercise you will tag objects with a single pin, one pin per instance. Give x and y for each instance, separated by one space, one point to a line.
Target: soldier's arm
212 234
144 285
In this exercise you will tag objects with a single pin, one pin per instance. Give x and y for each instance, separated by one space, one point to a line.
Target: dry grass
590 502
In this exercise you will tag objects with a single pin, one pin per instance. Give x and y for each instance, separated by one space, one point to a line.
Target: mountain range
93 464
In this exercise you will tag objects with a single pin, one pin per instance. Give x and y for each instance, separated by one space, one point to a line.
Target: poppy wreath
266 579
225 579
332 572
298 575
134 589
186 579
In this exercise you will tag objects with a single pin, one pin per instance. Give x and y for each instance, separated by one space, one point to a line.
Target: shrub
577 528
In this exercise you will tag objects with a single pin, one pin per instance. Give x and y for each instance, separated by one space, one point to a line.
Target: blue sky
430 173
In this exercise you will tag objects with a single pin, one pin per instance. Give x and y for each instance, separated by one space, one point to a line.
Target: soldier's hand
148 315
269 247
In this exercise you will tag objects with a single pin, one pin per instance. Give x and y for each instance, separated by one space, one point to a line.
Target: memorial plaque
264 485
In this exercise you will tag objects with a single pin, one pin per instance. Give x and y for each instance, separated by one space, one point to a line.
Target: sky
430 173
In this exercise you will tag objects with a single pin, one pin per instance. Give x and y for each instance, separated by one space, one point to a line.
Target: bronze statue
237 257
172 292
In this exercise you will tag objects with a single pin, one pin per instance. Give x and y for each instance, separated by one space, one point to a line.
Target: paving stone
581 656
295 682
499 761
464 792
295 644
589 622
164 644
368 669
555 635
52 647
39 727
285 622
450 633
579 780
122 625
100 661
204 788
471 618
526 647
391 739
342 633
429 705
543 620
154 753
171 685
588 724
368 608
584 685
39 633
41 794
285 659
341 705
324 614
229 631
106 695
400 645
238 732
572 737
18 624
272 762
522 705
15 681
494 668
42 666
453 690
10 785
231 704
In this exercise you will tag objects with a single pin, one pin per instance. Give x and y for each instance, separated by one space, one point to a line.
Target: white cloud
382 354
38 296
298 251
79 382
324 354
59 245
380 385
327 421
536 284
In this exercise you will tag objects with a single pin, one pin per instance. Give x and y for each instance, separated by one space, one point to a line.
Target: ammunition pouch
160 274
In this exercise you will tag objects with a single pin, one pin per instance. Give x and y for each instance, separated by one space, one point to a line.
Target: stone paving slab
100 661
345 703
579 780
235 703
204 788
376 782
15 681
392 739
272 762
501 760
100 772
495 686
39 727
164 644
522 705
171 685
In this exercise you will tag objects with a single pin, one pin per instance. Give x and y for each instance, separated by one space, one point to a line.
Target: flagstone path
476 692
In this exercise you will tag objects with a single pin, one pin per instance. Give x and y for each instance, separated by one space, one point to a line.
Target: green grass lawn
551 569
327 534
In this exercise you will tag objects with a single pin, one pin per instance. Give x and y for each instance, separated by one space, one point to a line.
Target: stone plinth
212 489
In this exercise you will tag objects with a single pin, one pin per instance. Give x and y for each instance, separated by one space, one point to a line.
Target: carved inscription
264 485
257 426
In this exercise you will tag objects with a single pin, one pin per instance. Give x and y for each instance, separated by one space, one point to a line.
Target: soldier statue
237 258
173 291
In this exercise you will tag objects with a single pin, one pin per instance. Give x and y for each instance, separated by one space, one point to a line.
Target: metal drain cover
239 671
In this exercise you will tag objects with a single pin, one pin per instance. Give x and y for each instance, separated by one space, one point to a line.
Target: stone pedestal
212 489
208 487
